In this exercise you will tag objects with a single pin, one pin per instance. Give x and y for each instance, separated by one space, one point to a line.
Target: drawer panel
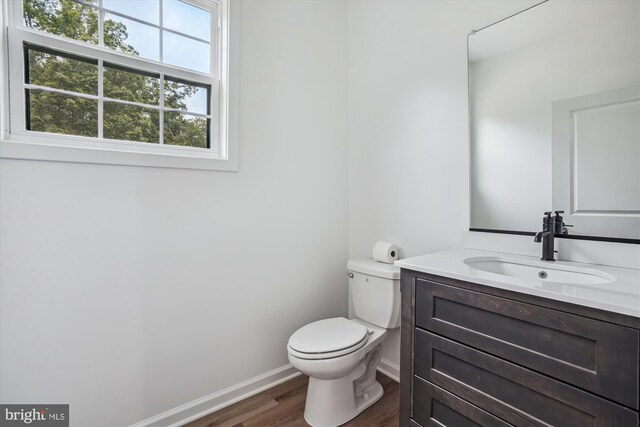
510 392
597 356
436 407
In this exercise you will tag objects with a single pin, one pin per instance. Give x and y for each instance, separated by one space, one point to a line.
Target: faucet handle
548 213
558 213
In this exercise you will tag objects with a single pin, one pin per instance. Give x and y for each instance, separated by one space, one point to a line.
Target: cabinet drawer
510 392
436 407
597 356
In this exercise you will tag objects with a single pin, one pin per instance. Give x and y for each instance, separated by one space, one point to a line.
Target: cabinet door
597 356
436 407
510 392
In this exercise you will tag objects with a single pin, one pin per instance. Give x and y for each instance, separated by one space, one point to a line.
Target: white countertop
621 296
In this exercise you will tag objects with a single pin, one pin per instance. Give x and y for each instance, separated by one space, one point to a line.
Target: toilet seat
328 338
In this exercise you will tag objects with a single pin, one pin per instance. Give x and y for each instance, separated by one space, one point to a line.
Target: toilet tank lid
374 268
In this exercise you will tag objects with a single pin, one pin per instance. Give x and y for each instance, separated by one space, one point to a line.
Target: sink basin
541 271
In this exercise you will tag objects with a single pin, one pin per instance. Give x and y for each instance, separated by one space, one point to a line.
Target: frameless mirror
554 101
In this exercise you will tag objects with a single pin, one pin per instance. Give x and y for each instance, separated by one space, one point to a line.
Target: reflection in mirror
554 97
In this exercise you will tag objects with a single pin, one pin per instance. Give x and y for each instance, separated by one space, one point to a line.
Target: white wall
128 291
408 128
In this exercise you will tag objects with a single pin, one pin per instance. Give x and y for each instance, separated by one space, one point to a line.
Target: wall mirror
554 108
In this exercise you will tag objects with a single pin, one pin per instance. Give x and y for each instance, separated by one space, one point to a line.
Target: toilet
340 355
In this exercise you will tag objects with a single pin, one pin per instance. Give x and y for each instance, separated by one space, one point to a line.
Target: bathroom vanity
493 339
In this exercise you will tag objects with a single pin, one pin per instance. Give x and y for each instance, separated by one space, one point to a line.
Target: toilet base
332 402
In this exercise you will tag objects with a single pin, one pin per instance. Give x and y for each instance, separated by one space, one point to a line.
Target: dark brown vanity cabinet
473 355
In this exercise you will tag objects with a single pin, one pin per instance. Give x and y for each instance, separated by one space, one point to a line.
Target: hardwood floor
283 405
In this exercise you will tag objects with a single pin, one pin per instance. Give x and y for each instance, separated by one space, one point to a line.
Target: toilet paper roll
385 252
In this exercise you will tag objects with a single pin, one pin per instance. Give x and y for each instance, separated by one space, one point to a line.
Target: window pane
183 96
187 19
147 10
131 123
62 17
58 113
186 130
185 52
130 85
50 69
132 37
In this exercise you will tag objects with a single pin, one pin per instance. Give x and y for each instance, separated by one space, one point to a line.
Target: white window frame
19 143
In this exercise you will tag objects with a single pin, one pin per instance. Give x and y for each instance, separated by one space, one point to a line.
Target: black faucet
546 237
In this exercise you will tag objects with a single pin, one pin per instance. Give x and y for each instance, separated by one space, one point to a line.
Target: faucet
559 227
546 237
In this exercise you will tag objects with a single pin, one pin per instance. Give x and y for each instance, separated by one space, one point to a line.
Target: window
140 76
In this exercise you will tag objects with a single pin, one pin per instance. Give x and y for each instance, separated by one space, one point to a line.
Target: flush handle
350 274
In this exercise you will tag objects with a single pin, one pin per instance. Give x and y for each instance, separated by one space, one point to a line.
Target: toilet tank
375 292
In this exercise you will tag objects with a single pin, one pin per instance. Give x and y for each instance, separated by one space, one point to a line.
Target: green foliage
57 113
118 123
63 18
127 86
51 112
178 130
50 70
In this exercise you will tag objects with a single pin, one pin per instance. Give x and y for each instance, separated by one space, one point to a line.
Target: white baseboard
390 369
214 402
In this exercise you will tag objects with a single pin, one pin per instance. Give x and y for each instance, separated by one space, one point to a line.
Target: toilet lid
328 335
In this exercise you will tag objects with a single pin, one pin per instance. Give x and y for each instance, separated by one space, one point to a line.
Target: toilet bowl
340 355
342 381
